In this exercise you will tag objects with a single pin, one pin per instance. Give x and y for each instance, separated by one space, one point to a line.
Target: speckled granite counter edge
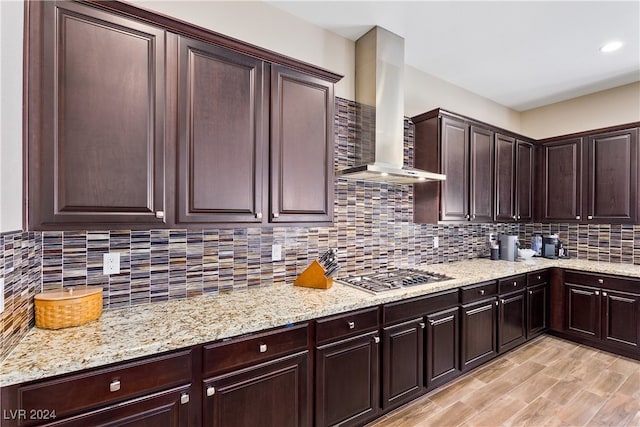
130 333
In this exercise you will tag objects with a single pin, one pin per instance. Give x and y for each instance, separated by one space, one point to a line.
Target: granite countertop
143 330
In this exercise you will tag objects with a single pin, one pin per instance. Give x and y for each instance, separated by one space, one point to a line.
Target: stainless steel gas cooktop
395 279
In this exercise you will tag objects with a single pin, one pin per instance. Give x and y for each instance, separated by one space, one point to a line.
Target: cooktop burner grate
395 279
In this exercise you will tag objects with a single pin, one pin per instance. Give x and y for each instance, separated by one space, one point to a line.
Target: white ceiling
521 54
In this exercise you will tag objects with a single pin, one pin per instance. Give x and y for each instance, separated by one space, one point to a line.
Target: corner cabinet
302 141
96 100
137 121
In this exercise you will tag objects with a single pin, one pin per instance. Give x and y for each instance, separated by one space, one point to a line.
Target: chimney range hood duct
380 87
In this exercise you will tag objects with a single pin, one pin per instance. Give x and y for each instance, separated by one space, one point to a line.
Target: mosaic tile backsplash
373 231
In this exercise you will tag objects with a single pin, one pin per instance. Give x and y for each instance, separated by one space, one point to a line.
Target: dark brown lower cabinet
478 341
512 329
166 409
347 381
583 311
537 310
621 319
442 348
273 393
403 363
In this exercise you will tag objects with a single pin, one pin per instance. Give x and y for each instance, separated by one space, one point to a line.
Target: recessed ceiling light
611 46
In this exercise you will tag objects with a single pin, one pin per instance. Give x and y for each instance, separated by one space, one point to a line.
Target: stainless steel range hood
380 86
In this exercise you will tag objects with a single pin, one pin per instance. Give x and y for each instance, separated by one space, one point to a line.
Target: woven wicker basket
71 307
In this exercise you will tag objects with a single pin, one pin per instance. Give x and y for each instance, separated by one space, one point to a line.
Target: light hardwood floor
547 382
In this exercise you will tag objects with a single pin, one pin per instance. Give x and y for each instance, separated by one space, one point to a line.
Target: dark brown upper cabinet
524 181
130 125
302 145
505 178
611 177
222 138
481 173
591 178
454 199
95 119
561 186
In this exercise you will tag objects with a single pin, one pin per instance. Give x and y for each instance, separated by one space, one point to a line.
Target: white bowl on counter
526 254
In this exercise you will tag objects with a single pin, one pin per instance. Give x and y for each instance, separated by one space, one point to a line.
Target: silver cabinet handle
275 215
211 390
530 292
597 292
422 325
514 217
259 215
263 348
601 281
496 303
502 301
473 217
539 277
604 294
114 386
352 325
577 216
589 216
467 216
159 214
515 284
184 398
518 216
481 291
376 340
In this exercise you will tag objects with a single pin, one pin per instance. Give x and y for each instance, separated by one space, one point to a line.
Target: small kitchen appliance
536 244
395 279
550 246
508 247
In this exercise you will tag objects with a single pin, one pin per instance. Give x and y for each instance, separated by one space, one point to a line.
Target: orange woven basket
70 307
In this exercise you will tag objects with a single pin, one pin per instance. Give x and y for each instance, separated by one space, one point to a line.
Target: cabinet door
454 196
275 393
172 408
505 178
621 319
524 181
512 328
481 175
611 180
403 363
537 312
302 142
96 149
583 311
442 348
478 333
561 182
347 381
222 146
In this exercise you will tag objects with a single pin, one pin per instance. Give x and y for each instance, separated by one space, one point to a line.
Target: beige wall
11 17
424 92
601 109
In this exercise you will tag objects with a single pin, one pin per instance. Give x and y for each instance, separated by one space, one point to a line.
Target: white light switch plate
276 252
436 242
1 294
111 263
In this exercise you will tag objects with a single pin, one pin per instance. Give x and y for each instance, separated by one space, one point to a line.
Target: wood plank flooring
547 382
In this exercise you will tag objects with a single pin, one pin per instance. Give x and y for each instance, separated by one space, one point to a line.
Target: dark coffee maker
550 246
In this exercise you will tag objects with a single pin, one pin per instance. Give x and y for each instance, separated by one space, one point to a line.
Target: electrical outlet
492 237
1 294
436 242
111 263
276 252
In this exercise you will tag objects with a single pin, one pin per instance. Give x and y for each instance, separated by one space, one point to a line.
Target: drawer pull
601 281
515 284
376 340
539 277
114 386
211 390
352 325
184 398
481 291
589 216
577 216
263 348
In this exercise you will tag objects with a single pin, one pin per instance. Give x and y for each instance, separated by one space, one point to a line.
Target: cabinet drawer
343 325
83 391
625 284
512 284
477 292
537 277
409 309
234 353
